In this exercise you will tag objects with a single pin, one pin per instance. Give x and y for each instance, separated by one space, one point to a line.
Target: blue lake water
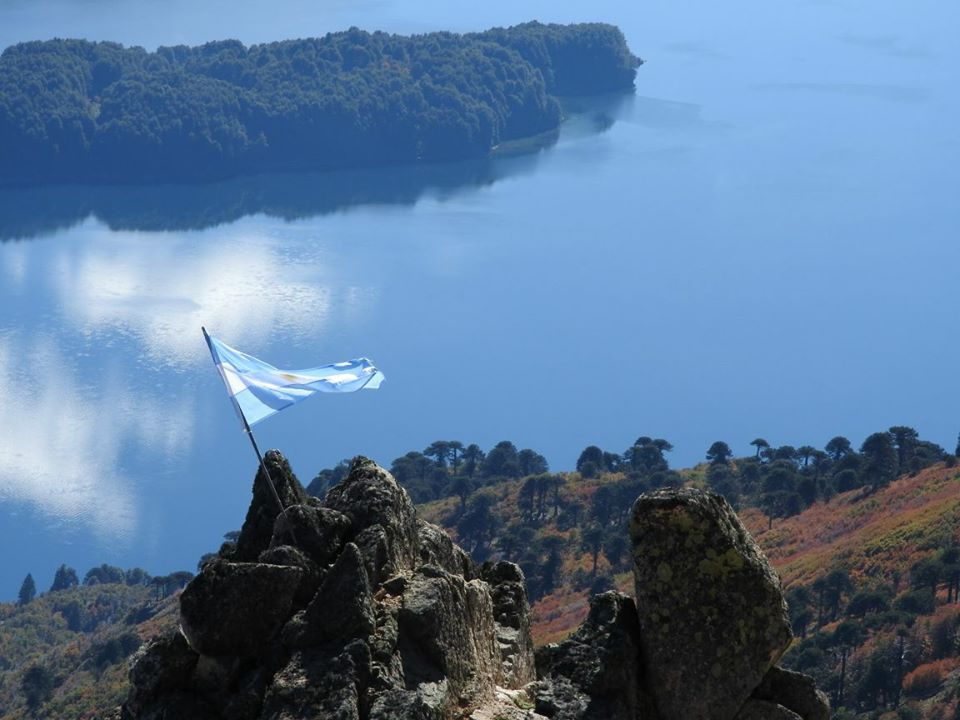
762 241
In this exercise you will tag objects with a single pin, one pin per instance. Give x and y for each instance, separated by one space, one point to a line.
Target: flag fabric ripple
259 390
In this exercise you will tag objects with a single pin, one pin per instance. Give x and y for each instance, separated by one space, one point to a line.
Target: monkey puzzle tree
719 452
760 444
881 459
838 447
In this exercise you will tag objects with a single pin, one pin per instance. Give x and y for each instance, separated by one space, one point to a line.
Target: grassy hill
879 534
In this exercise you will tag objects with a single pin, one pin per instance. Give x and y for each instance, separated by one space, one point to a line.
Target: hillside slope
73 644
876 535
872 577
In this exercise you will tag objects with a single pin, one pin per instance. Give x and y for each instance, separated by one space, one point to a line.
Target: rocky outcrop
341 610
354 609
699 642
257 531
596 673
159 670
512 620
383 523
710 607
317 531
237 608
794 691
348 608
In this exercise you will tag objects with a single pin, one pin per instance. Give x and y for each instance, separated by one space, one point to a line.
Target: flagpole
249 432
263 465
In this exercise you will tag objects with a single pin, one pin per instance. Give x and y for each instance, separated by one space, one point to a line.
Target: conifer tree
64 579
28 591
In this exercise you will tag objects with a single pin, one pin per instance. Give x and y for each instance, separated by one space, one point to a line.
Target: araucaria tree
719 452
881 459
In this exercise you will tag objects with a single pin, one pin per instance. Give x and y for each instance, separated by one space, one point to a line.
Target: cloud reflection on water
63 437
161 290
74 410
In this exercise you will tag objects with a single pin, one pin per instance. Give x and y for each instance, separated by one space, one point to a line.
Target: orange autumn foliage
927 678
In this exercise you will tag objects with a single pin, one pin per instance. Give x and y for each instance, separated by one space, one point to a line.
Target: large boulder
712 616
384 523
237 608
257 530
595 674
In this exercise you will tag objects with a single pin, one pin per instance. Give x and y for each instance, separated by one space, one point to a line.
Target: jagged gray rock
436 548
378 634
341 610
595 674
711 610
311 579
794 691
160 667
257 530
384 523
407 705
559 699
319 531
320 684
447 629
511 613
237 608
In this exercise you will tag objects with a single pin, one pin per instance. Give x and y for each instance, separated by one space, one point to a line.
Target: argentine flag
259 390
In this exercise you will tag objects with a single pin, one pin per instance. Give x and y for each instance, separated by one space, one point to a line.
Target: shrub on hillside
915 602
927 679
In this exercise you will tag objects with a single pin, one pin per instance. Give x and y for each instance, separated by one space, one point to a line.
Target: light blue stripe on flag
259 390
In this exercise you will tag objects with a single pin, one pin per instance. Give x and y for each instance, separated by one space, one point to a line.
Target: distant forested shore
78 111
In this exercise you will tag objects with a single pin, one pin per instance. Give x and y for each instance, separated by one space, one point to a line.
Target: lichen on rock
711 610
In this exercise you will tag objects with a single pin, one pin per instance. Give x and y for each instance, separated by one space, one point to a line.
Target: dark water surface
762 241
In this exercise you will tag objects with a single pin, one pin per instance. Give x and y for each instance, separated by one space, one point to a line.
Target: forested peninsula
78 111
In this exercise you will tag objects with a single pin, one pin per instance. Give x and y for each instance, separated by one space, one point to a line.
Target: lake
762 241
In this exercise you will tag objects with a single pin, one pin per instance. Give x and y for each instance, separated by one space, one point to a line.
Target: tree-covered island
78 111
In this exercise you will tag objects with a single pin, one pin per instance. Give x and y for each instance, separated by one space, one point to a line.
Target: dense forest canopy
78 111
